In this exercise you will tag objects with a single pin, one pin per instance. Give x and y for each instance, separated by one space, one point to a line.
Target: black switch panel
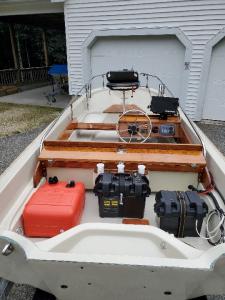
167 130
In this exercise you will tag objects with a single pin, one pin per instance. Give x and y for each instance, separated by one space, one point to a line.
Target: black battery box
179 211
121 195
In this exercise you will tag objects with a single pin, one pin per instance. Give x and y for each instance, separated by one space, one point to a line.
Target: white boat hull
106 261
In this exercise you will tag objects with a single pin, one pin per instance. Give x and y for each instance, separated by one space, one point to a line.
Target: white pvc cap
121 168
141 169
100 168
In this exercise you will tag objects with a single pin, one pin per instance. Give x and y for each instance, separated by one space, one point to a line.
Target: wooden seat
168 157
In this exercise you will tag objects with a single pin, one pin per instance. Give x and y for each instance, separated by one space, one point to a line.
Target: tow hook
8 249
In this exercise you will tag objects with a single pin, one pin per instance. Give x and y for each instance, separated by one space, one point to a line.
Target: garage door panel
214 105
162 56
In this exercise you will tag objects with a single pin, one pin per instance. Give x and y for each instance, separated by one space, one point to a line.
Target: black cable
221 238
218 211
218 191
192 188
221 215
210 194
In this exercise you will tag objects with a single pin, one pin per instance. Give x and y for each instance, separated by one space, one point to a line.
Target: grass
19 118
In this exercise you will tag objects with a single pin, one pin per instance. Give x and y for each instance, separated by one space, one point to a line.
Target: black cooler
178 212
121 195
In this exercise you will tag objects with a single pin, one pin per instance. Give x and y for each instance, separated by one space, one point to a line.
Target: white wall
199 20
164 56
214 105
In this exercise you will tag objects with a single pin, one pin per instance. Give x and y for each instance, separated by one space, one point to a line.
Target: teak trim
130 166
156 156
156 122
39 173
92 126
184 137
119 145
129 118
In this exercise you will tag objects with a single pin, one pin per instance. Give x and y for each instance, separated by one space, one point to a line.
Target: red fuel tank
53 208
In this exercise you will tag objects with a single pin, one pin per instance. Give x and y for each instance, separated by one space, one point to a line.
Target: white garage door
214 105
162 56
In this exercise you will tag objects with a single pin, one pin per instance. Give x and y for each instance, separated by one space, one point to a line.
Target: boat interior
123 128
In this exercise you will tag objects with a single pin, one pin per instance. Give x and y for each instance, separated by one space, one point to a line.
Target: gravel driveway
11 147
215 132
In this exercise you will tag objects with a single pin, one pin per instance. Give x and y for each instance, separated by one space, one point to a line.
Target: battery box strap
181 226
138 189
122 184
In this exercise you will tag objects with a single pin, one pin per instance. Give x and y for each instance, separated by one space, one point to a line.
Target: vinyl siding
199 20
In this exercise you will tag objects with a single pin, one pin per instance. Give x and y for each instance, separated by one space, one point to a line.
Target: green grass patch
19 118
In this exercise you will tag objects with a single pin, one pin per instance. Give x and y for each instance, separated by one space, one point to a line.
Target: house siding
199 20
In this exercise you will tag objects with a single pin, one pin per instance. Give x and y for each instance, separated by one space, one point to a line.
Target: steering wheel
134 125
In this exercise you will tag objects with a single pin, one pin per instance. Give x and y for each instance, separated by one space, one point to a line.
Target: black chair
122 80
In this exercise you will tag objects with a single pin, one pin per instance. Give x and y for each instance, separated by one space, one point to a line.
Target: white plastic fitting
100 168
121 168
141 169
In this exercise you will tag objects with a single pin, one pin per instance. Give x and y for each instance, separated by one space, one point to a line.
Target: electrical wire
218 230
211 234
221 215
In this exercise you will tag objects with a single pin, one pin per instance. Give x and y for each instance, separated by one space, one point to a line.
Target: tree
6 58
29 46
